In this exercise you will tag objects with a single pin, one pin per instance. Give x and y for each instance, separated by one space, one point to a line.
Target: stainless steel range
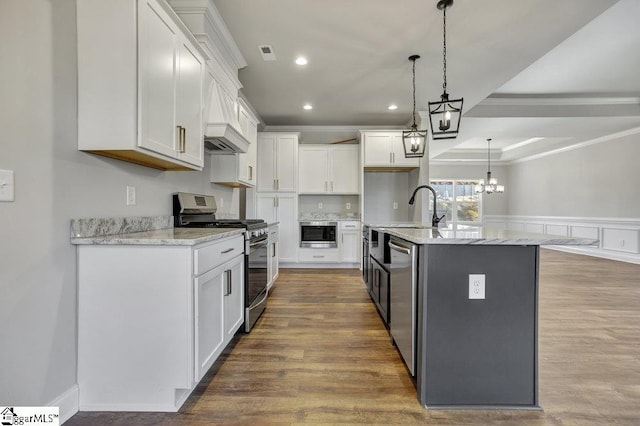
199 211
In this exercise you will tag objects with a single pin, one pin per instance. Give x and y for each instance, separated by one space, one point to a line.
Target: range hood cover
221 133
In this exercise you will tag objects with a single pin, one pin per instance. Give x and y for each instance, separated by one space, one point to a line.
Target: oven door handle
257 242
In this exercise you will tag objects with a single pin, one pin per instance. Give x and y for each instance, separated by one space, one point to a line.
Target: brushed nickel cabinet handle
229 250
390 158
183 139
250 172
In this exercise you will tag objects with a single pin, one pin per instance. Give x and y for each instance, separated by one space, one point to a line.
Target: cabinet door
345 170
349 245
275 266
209 321
313 170
397 149
287 216
233 289
377 149
189 104
266 207
157 67
266 163
287 163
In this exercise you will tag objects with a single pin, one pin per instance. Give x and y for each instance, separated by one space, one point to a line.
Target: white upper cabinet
328 169
277 162
384 149
140 84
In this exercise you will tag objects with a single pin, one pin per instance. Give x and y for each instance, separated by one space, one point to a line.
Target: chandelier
491 184
414 139
445 115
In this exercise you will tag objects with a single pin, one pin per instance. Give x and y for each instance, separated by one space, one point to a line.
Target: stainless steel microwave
318 234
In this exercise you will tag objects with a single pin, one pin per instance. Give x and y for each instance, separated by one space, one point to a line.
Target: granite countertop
162 237
329 217
142 230
479 236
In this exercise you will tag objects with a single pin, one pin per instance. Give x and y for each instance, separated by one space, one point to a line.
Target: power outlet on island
476 286
320 206
348 206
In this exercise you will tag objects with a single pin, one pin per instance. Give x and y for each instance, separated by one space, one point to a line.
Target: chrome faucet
434 219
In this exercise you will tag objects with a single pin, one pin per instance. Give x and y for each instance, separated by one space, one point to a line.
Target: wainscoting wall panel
619 238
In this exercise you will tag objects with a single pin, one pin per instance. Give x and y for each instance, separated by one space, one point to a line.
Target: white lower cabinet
153 319
219 305
320 255
273 265
349 241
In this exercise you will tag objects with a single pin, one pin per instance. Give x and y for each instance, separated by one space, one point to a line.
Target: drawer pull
229 250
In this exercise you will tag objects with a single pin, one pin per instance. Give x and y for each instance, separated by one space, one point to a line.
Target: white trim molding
618 238
67 402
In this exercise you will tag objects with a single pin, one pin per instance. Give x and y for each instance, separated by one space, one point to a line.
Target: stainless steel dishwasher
403 289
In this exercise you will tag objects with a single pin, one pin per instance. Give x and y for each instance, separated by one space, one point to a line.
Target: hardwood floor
320 354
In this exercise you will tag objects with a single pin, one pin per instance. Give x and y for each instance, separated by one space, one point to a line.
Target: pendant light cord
414 95
489 154
444 49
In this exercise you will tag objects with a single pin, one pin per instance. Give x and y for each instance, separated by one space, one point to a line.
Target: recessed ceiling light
301 60
393 106
307 106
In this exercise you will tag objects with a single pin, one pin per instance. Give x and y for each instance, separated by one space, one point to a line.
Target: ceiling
536 75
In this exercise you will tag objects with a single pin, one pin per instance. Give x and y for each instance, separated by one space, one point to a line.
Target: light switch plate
6 185
131 195
476 286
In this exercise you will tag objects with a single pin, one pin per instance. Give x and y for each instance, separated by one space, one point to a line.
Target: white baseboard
68 403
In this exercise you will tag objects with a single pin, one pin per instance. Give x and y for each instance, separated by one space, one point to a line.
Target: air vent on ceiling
267 52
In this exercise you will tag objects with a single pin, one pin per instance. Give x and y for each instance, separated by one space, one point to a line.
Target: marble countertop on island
479 236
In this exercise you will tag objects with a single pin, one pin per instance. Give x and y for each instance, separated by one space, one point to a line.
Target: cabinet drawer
347 225
207 257
319 255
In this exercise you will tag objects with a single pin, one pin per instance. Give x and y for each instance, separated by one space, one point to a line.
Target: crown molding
328 129
555 101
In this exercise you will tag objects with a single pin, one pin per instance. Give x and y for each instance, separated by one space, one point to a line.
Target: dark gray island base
477 352
472 347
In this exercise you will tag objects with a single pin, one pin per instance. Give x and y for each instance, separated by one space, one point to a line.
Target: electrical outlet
131 195
320 206
348 206
476 286
6 185
395 205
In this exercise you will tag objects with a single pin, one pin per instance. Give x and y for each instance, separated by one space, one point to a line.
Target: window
458 196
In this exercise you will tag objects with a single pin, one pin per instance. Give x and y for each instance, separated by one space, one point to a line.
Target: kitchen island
464 312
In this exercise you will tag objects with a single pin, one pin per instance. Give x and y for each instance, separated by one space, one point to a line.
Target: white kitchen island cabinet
154 315
140 81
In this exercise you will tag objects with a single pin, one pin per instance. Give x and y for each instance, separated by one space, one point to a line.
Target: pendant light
445 115
414 139
491 184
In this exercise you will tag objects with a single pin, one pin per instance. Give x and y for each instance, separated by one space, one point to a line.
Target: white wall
599 180
55 183
494 204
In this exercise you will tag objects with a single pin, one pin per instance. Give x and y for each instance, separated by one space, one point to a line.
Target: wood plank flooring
320 354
